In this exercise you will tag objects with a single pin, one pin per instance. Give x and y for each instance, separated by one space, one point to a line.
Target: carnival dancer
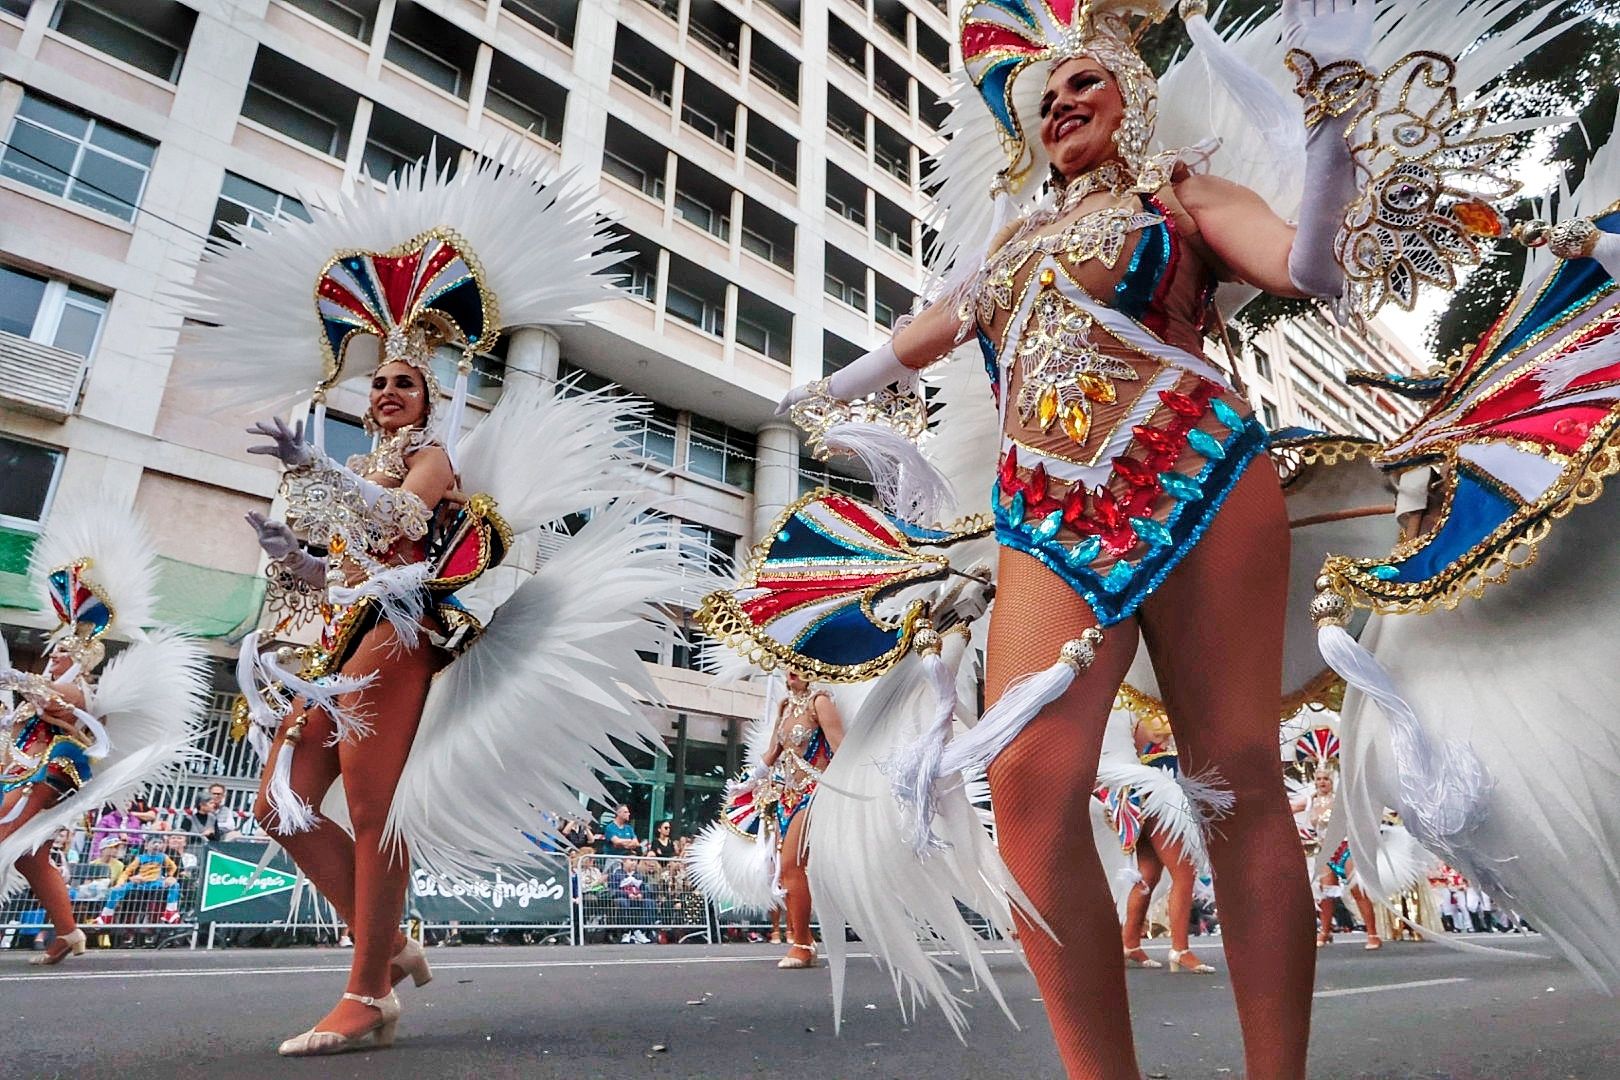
1159 824
448 725
1335 867
70 739
1128 493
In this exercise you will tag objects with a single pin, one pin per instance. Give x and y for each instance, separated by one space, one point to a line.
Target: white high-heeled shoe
1195 968
412 963
792 961
314 1043
64 946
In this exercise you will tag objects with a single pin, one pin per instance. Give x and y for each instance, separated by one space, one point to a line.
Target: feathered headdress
96 569
394 273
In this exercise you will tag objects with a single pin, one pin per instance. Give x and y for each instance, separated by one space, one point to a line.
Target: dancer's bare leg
1041 788
36 867
1183 877
1215 632
1136 905
1369 917
796 881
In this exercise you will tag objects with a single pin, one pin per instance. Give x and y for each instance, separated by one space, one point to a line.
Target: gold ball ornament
928 642
1575 239
1328 608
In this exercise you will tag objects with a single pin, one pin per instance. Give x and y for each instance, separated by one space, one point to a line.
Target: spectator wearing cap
150 871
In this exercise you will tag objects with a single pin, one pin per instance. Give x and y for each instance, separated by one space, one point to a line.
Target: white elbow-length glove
1331 31
864 375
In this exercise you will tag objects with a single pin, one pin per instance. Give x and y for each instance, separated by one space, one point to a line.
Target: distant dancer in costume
72 740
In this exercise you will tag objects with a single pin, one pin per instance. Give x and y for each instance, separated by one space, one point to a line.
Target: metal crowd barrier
142 897
630 898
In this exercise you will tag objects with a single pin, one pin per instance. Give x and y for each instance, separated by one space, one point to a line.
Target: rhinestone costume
1120 440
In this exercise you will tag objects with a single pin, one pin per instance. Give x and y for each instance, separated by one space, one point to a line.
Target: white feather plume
863 874
152 697
1167 804
119 545
523 720
727 868
254 326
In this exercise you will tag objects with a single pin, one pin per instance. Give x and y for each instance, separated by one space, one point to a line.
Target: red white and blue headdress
97 571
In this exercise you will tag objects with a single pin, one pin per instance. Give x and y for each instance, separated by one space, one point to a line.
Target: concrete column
535 351
776 475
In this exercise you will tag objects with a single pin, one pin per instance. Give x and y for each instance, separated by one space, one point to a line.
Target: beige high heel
1146 961
791 961
412 963
1195 968
314 1043
64 946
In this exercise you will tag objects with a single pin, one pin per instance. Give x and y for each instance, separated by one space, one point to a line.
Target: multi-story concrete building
761 156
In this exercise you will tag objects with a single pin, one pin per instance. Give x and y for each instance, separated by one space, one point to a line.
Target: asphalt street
1413 1010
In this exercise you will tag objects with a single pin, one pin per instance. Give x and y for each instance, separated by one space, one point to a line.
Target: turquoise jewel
1048 527
1226 415
1152 531
1206 444
1385 572
1085 552
1118 576
783 537
1180 487
1015 509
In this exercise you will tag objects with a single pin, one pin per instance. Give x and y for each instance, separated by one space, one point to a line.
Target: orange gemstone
1047 406
1076 424
1479 218
1098 388
1048 278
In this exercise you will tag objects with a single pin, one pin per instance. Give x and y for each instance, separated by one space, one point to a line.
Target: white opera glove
862 376
1331 32
286 443
1607 252
280 543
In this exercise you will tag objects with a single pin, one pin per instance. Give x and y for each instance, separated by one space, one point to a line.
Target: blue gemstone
1048 527
1118 576
1015 509
1386 572
1226 415
784 536
1206 444
1152 531
1085 552
1179 487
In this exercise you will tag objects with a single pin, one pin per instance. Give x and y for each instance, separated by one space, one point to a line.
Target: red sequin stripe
787 593
855 514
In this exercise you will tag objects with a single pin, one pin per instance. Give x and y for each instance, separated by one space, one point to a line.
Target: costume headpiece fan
1000 38
96 570
400 271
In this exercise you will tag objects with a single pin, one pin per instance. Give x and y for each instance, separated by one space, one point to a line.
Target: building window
433 49
69 153
50 312
145 34
764 327
1268 413
715 549
639 267
812 477
344 437
30 473
287 97
246 203
1262 362
721 453
554 17
525 97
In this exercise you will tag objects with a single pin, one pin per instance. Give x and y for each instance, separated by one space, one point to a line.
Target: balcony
150 35
395 143
891 80
791 10
891 15
703 200
845 279
289 98
890 301
764 328
356 18
554 18
893 228
708 111
696 297
846 197
775 67
767 234
670 9
892 153
527 98
639 267
846 119
640 64
847 45
433 49
634 159
934 49
836 353
716 29
773 149
39 379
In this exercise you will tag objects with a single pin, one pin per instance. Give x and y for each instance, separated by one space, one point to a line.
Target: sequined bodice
801 740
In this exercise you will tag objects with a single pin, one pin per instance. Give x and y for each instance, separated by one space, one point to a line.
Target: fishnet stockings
1214 629
36 867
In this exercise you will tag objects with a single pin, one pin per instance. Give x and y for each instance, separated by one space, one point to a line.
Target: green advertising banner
226 896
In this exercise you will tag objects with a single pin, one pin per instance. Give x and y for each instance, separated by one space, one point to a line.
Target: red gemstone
1038 483
1074 510
1109 513
1136 473
1009 471
1156 441
1120 541
1181 404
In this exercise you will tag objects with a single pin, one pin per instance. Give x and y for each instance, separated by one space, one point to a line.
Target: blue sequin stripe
992 363
1135 291
1187 524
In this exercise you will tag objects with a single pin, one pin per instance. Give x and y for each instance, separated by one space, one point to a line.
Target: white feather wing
525 719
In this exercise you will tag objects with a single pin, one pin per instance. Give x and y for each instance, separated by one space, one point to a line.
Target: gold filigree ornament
899 407
1065 375
1330 90
1418 152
